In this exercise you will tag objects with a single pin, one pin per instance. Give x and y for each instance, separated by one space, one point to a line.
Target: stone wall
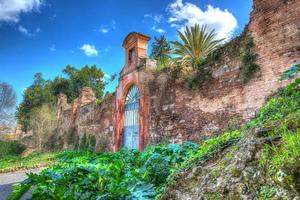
172 113
180 114
85 116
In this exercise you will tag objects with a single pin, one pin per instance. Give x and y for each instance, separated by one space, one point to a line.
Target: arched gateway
132 95
131 118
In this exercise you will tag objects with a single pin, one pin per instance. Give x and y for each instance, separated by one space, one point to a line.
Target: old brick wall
172 113
86 117
179 114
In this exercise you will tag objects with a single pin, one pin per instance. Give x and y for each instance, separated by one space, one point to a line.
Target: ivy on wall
249 66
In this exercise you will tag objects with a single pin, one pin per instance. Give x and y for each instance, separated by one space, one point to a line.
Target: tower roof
137 35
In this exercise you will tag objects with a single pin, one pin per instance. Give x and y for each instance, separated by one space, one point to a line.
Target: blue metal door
131 118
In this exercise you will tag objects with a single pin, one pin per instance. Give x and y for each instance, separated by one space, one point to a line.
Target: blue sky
46 35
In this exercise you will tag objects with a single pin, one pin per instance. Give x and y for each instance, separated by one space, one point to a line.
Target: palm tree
196 44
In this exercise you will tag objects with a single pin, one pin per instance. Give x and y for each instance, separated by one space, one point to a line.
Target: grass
33 160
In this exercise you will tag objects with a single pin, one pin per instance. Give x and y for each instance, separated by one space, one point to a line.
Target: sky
47 35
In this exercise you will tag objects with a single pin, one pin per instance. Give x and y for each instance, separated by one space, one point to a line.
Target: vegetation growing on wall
195 45
249 67
231 49
88 142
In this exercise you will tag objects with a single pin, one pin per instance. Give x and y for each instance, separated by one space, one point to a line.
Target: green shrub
10 148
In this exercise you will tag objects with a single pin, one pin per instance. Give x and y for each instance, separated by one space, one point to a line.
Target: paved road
8 179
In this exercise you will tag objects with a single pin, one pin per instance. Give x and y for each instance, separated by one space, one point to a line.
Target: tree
43 121
45 91
196 43
7 102
86 77
7 97
160 50
39 93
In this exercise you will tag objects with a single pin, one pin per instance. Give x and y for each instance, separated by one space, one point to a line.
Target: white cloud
89 50
27 32
158 18
106 28
10 10
52 48
159 30
188 14
155 20
24 30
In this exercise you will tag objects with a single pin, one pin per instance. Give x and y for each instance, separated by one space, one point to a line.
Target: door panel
131 119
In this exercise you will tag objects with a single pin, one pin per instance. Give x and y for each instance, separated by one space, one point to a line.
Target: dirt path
8 179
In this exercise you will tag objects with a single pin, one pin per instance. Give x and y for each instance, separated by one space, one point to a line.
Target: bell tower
132 95
135 45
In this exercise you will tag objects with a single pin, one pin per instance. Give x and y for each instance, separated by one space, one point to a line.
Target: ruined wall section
179 114
86 117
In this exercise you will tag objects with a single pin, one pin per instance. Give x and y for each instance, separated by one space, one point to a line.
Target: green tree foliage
45 91
85 77
39 93
161 49
196 43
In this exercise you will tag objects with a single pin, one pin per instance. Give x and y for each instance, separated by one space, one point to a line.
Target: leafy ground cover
127 174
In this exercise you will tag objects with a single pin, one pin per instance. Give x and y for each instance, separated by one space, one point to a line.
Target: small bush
291 72
267 192
10 148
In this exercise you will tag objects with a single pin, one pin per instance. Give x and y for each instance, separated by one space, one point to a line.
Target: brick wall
172 113
85 116
178 114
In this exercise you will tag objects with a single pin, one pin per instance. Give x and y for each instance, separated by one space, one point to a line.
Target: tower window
131 55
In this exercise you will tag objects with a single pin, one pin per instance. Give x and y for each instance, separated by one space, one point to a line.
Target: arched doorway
131 118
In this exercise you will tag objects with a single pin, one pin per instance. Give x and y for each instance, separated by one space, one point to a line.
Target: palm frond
196 43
